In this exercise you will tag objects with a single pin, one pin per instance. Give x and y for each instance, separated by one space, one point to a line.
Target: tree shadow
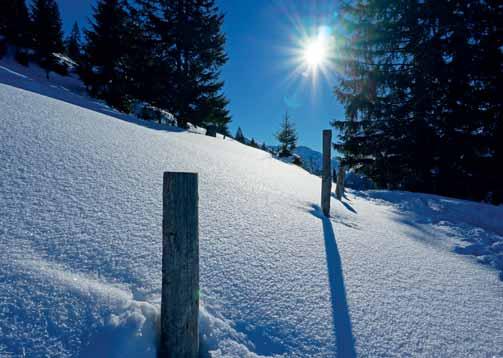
475 227
340 310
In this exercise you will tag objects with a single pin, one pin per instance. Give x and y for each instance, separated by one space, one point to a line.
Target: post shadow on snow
345 203
342 321
78 98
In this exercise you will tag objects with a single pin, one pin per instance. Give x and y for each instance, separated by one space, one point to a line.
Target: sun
315 52
313 56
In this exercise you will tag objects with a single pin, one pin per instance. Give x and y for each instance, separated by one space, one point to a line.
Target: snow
389 275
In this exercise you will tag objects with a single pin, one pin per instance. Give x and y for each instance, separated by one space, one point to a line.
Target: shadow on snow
477 228
342 321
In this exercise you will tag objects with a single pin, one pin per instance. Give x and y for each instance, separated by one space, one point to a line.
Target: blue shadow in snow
345 203
340 310
475 226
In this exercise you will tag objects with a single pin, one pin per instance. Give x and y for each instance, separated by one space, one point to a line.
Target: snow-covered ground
390 275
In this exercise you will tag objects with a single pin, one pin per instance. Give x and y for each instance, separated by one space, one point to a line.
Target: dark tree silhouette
73 44
47 33
190 52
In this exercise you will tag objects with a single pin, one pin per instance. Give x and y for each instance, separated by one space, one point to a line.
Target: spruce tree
47 32
418 87
143 66
287 136
15 22
240 136
103 64
190 52
72 43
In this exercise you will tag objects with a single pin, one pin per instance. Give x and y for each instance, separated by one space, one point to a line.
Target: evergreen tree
142 67
72 43
253 143
103 67
15 22
189 46
287 136
240 136
48 33
264 147
418 89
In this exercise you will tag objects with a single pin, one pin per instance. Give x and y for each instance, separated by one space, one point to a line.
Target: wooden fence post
180 266
211 130
339 189
326 181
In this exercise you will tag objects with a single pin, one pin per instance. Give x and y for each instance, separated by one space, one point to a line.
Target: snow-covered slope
80 239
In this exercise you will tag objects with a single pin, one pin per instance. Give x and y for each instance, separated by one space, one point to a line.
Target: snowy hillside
391 274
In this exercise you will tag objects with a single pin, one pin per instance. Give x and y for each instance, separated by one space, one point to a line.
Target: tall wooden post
326 181
180 266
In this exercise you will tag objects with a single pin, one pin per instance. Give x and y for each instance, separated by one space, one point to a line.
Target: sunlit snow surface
80 237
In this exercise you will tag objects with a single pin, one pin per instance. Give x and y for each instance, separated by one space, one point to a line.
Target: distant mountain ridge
313 160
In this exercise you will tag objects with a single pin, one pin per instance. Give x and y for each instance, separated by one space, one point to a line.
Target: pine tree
240 136
190 52
48 33
15 22
287 136
253 143
72 43
264 147
103 66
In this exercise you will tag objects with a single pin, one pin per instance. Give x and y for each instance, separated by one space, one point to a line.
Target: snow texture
389 275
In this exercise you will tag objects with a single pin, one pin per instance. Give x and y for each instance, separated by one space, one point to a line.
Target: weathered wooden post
339 189
180 266
326 181
211 130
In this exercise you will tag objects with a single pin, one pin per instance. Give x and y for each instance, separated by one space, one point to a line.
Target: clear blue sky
261 80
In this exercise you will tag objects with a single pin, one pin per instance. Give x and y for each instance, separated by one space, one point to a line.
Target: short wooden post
180 266
211 130
326 181
339 189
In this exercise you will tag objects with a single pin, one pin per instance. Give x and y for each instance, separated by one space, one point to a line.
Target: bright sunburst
314 56
315 52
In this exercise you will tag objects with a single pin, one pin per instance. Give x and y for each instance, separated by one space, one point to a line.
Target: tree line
422 83
165 53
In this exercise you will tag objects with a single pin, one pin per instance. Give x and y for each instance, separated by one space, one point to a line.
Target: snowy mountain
312 159
390 274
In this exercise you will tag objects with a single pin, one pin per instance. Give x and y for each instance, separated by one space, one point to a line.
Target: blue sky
261 80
